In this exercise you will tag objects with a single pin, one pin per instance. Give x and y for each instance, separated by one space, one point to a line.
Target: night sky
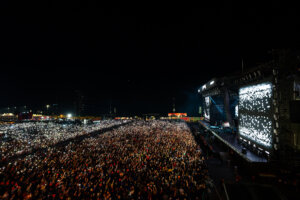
137 60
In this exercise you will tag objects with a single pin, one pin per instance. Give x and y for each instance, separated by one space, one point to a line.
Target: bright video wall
207 103
255 114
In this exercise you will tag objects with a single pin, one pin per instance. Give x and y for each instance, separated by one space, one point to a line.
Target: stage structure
263 103
219 102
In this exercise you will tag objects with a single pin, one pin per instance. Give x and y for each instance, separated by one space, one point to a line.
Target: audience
140 160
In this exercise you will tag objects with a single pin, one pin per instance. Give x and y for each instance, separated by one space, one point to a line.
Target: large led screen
255 114
207 108
236 111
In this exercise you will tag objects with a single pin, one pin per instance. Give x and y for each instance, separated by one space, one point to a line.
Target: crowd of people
22 138
140 160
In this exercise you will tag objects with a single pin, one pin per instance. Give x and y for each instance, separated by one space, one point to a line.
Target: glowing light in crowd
254 111
69 115
212 82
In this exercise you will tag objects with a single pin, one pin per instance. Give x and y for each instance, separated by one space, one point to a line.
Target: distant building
176 115
8 117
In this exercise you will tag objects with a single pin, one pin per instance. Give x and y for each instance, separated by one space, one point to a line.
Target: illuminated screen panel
255 114
207 108
236 111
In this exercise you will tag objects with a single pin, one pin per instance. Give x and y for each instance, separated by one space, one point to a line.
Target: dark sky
135 59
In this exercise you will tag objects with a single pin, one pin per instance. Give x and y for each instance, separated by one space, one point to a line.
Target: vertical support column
227 106
275 102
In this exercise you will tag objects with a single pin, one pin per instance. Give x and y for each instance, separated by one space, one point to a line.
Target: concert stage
231 141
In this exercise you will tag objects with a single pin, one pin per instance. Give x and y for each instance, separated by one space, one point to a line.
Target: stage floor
231 141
